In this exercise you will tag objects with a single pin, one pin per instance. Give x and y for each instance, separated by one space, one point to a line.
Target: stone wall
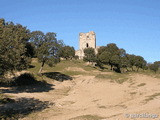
86 40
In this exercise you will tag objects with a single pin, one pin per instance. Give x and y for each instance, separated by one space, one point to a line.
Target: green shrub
25 79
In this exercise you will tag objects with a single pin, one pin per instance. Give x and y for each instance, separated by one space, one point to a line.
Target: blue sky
132 24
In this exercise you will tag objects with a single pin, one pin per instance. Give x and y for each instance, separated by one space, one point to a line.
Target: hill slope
95 95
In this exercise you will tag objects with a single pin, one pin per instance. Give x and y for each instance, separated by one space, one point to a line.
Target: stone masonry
86 40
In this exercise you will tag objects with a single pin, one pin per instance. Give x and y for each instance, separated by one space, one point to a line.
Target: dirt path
88 98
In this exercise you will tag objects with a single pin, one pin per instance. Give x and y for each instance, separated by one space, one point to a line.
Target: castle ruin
86 40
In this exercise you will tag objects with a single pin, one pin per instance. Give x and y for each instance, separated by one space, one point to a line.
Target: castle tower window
87 45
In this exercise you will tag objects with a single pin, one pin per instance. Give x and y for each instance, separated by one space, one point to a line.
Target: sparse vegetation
133 93
115 77
102 106
151 97
87 117
142 84
63 66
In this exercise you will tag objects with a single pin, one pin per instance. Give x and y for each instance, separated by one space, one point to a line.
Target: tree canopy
46 47
155 66
18 45
67 52
13 39
117 57
89 55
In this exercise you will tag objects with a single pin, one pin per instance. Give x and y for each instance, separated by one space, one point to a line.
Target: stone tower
86 40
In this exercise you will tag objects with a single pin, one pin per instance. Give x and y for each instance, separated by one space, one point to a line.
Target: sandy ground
87 95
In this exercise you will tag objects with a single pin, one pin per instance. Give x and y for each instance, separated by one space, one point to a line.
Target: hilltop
74 90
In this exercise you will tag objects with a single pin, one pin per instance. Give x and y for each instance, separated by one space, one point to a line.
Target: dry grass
102 106
115 77
142 84
87 117
152 97
62 66
133 93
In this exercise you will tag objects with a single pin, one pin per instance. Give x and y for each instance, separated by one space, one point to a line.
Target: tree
124 62
111 55
89 55
137 61
114 55
116 61
47 47
30 50
2 66
132 60
13 39
158 63
101 50
37 39
140 62
104 57
67 52
154 67
113 49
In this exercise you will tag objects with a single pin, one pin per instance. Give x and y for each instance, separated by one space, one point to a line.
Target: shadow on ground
20 107
57 76
38 87
25 83
31 66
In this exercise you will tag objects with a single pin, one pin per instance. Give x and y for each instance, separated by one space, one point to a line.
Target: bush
25 79
76 57
154 67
